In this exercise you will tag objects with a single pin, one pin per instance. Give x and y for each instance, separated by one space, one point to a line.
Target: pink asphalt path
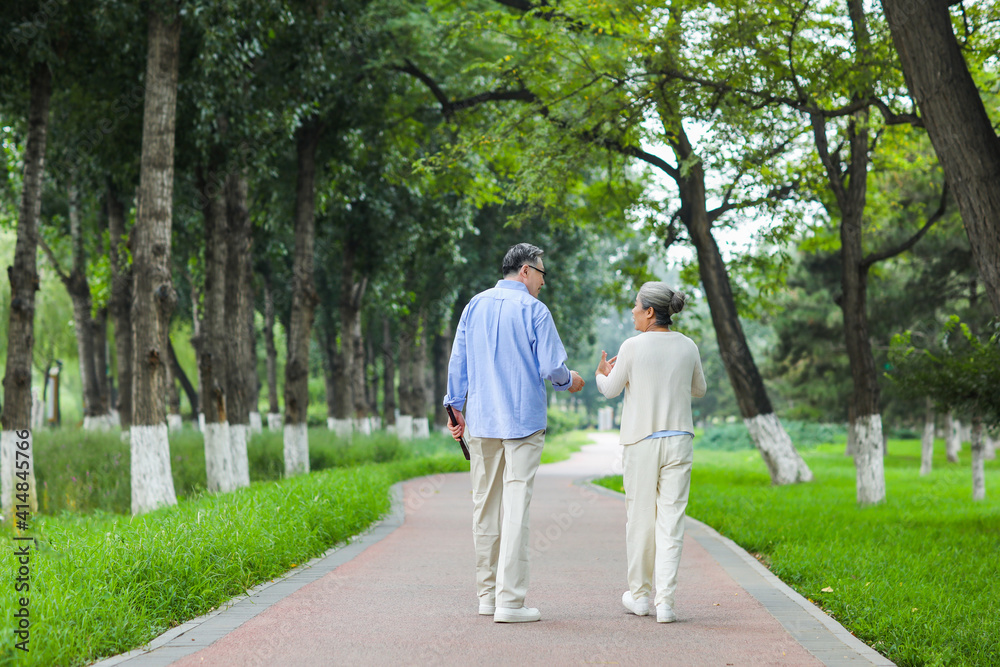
410 597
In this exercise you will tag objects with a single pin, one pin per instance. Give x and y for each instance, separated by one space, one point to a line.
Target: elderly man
505 347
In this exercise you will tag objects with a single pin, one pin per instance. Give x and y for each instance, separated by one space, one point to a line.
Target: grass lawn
916 577
560 447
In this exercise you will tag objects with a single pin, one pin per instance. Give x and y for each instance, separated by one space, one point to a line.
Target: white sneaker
519 615
487 607
664 614
638 607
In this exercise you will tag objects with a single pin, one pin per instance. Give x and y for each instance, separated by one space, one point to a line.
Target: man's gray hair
518 256
663 300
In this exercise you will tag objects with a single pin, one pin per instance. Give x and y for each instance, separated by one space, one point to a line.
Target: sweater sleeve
698 384
612 384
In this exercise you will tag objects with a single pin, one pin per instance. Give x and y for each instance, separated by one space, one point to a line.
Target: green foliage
961 372
104 584
563 421
908 576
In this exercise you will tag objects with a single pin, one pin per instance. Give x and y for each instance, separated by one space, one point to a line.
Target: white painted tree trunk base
363 426
376 423
927 448
256 425
152 484
296 438
421 427
783 463
239 436
990 447
390 428
953 438
342 427
116 419
97 422
219 467
869 460
8 473
201 422
174 423
977 447
404 427
125 436
274 421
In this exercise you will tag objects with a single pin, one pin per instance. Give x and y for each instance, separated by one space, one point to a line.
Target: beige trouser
503 476
657 479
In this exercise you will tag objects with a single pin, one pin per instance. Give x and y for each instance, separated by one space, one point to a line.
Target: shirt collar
512 284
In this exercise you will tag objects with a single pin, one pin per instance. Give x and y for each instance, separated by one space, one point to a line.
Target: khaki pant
503 476
657 480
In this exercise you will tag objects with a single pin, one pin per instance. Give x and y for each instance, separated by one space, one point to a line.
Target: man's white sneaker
519 615
664 614
638 607
487 607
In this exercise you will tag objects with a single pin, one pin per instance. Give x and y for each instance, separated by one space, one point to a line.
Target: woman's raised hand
605 366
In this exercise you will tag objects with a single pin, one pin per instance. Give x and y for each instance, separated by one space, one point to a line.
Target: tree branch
775 194
52 260
449 107
912 241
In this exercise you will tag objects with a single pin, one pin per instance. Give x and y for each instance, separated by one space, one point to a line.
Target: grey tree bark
927 440
273 409
978 460
952 437
957 124
153 295
23 277
389 403
241 367
304 299
214 340
120 304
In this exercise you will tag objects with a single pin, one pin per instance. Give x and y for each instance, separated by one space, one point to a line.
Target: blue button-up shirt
505 347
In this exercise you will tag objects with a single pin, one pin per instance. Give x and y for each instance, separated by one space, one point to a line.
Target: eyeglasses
535 268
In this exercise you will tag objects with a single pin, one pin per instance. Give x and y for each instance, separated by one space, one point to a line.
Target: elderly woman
660 370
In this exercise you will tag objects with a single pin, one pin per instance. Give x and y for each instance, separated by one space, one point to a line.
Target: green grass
560 447
914 577
104 583
83 471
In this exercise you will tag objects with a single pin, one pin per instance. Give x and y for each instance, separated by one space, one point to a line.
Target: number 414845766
22 464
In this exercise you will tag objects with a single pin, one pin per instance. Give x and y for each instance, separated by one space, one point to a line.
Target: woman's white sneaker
519 615
664 614
638 607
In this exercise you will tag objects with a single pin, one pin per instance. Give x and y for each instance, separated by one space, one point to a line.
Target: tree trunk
407 342
388 374
978 465
23 276
241 369
79 293
333 377
850 192
180 376
927 440
442 355
121 306
304 299
99 325
419 407
273 409
953 437
153 296
215 340
371 377
358 366
956 122
783 463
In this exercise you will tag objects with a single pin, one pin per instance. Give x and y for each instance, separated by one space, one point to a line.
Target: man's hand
457 429
577 383
605 365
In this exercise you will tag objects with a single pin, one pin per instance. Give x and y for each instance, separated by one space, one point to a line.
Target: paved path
405 594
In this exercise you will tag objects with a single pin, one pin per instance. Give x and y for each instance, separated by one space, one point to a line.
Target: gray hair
663 300
518 256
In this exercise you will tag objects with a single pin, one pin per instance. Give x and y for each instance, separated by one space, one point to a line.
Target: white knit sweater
660 371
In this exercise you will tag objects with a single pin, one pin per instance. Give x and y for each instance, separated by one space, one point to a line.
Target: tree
591 76
957 123
153 295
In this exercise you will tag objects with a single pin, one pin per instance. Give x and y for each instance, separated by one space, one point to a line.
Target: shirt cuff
457 403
